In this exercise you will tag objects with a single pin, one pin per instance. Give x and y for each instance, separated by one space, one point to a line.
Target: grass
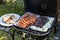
16 7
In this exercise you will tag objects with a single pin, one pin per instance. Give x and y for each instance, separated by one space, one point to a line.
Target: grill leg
13 35
54 30
48 36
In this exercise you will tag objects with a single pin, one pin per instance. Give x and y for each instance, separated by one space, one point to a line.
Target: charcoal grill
44 8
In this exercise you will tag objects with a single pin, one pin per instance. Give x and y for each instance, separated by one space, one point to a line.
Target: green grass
17 7
10 8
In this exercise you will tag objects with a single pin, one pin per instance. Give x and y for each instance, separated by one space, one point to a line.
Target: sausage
19 24
33 19
26 20
25 15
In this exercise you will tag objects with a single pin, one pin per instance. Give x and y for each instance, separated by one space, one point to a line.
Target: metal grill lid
41 7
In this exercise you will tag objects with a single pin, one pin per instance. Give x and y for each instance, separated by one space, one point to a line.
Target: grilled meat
26 20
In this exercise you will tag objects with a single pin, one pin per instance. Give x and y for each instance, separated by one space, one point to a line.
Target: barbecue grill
43 8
